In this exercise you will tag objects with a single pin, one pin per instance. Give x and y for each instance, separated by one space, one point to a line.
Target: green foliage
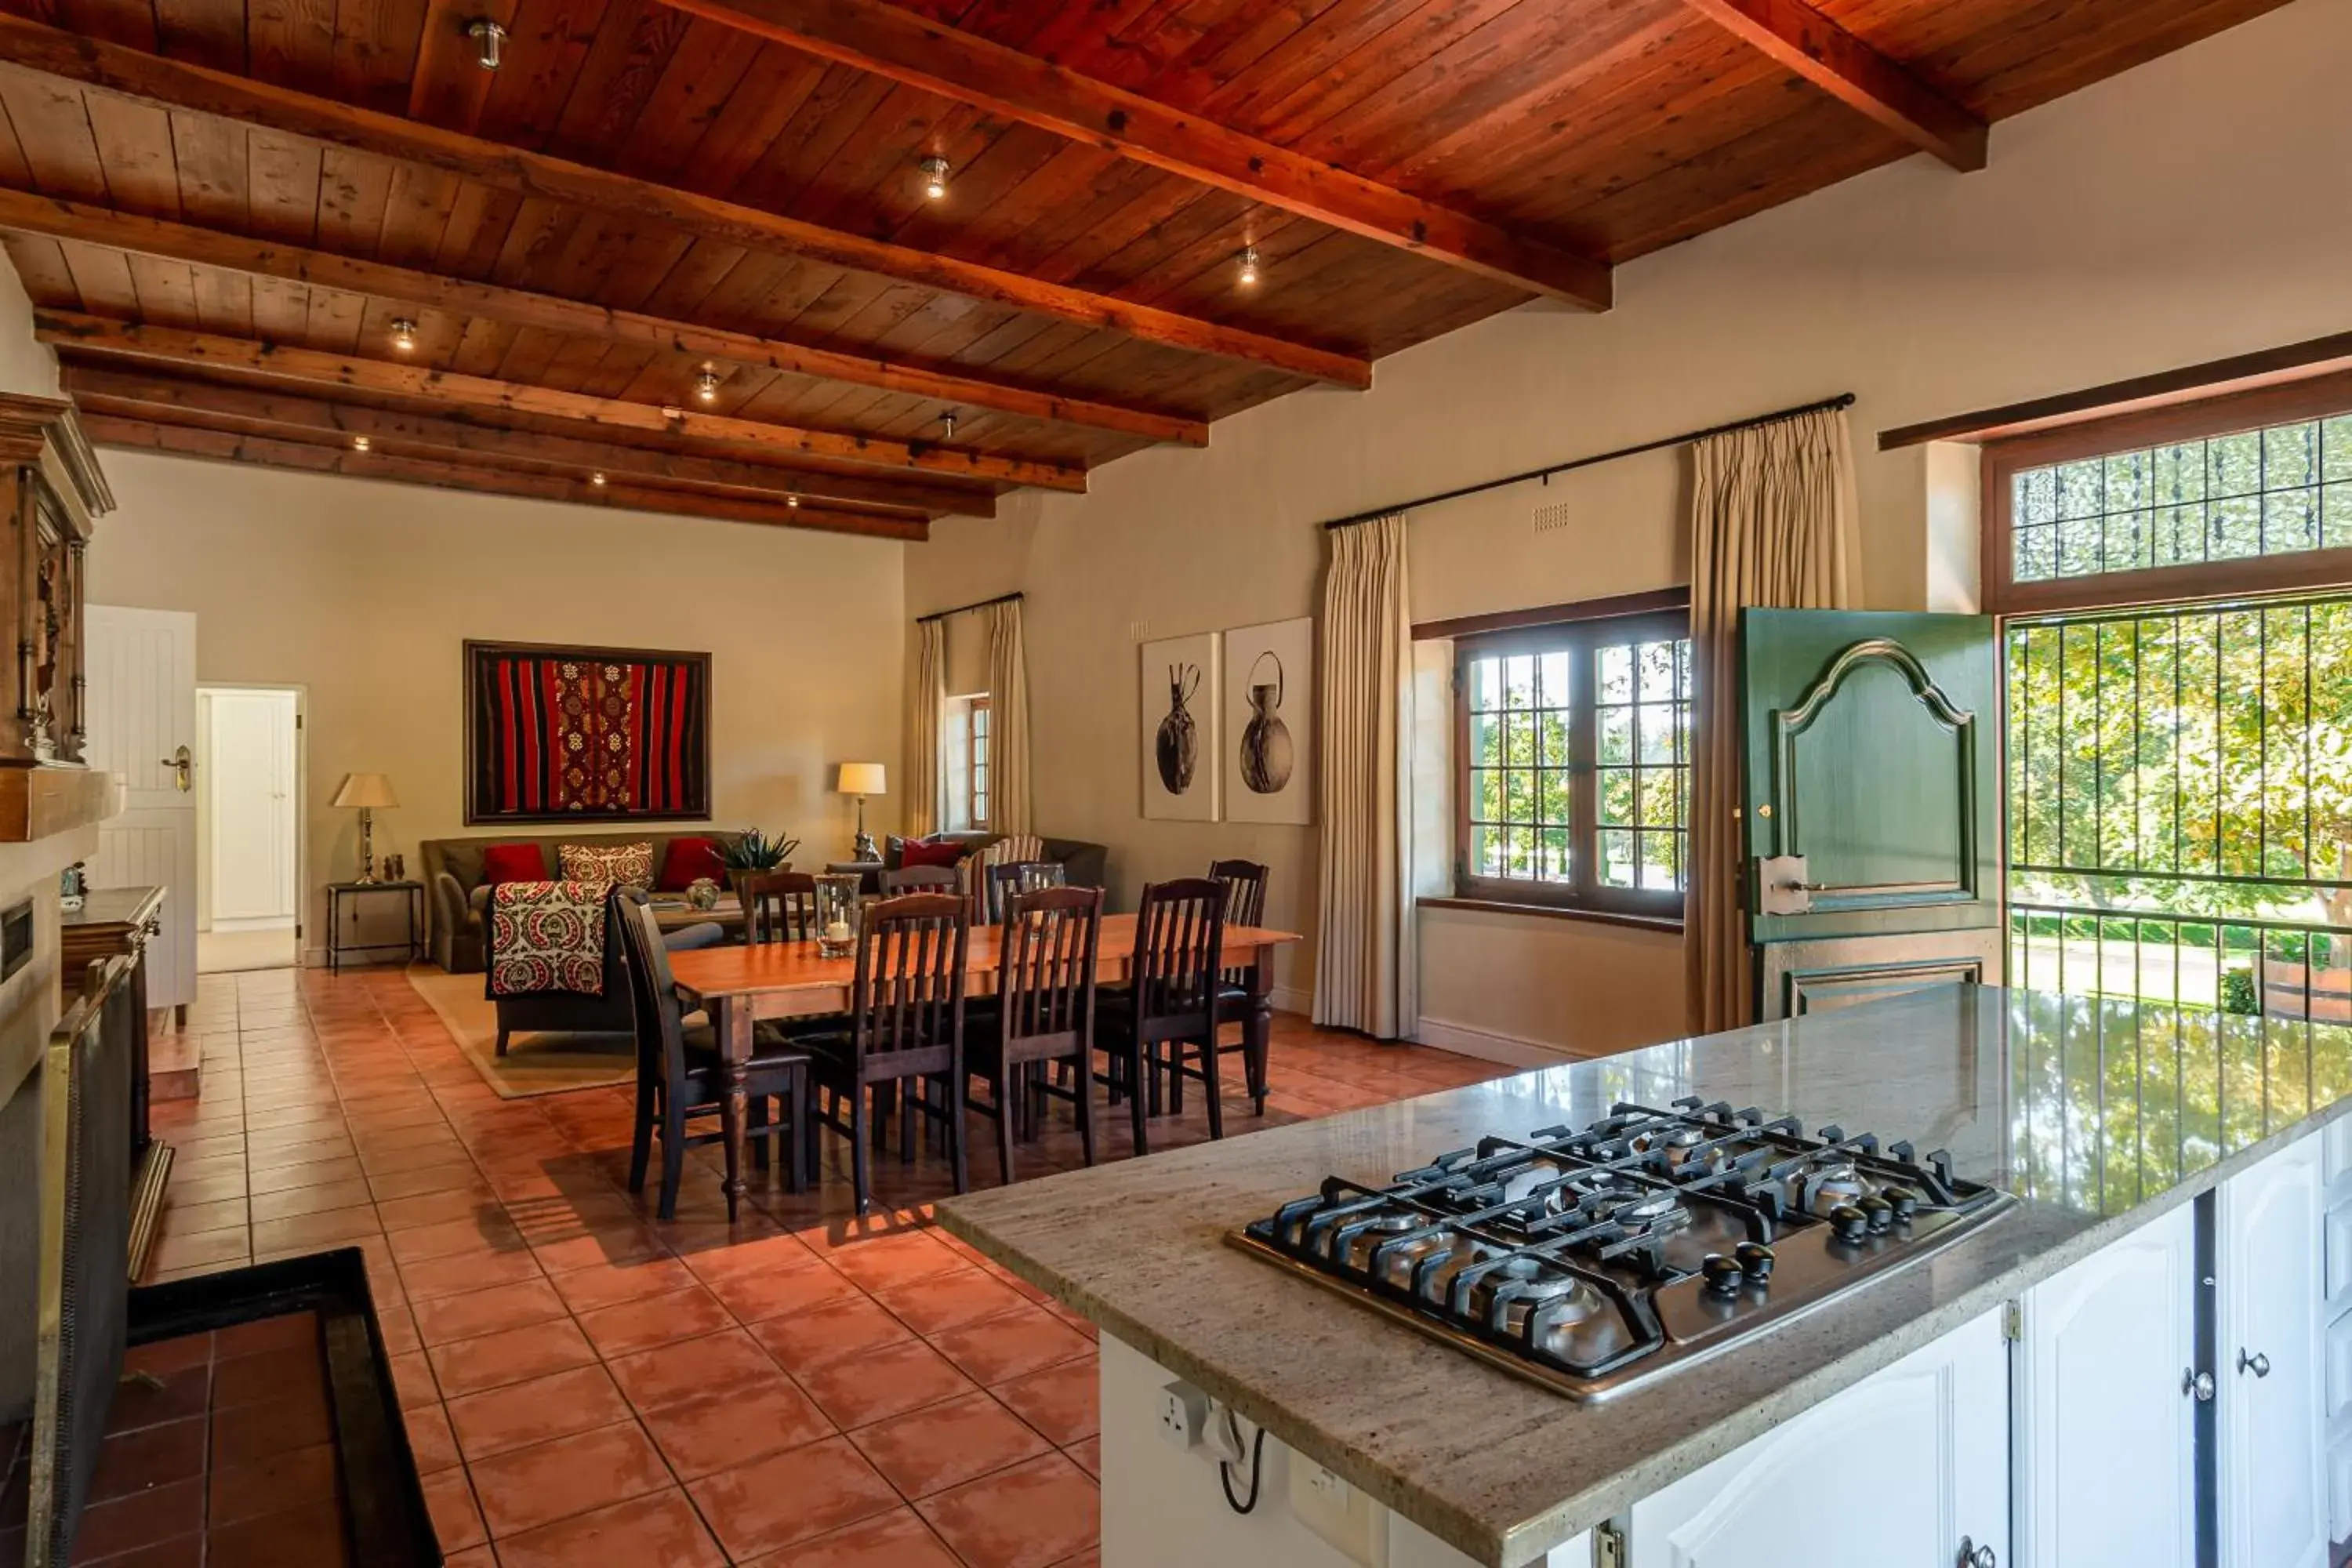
2238 994
754 850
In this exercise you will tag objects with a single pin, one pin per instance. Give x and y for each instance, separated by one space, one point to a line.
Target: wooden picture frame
643 717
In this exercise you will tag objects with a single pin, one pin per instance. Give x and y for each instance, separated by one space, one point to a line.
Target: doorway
249 828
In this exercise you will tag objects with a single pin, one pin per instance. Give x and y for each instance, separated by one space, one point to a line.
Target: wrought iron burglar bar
2180 805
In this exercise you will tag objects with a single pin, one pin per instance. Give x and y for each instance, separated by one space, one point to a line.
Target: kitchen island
2103 1117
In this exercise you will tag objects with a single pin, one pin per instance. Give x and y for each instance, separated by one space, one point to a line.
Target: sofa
1082 863
453 878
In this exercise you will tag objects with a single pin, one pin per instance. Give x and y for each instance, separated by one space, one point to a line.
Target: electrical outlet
1222 1435
1183 1411
1326 1504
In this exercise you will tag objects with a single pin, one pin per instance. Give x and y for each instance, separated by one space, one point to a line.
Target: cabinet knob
1975 1556
2257 1363
2199 1386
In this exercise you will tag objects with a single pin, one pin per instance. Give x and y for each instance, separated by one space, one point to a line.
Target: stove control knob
1849 1224
1902 1201
1723 1275
1881 1212
1754 1261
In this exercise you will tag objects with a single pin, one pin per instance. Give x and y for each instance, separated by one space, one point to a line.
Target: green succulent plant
754 850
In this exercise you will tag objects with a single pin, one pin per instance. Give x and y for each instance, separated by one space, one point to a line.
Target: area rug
548 1062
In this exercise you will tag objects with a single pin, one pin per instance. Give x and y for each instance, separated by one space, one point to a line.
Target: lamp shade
365 789
861 778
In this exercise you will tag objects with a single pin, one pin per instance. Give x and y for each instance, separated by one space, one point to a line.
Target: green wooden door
1872 803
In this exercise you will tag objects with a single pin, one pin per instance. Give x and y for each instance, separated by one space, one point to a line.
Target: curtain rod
960 609
1842 400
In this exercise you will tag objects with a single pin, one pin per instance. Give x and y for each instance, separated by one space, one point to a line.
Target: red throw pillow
932 852
688 858
514 863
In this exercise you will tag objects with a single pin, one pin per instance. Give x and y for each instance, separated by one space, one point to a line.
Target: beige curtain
1008 720
926 709
1773 525
1365 963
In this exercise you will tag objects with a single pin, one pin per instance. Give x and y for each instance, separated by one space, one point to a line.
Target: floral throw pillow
628 865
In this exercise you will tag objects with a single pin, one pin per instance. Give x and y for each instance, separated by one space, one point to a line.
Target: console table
412 902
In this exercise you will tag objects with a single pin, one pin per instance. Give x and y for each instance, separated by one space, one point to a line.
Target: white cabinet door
1896 1471
2106 1435
2273 1512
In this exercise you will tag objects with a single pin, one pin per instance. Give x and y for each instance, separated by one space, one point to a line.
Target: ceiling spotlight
597 478
947 426
706 384
935 169
792 500
403 334
487 37
359 443
1249 275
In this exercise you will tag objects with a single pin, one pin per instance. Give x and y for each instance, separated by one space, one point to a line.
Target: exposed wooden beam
172 345
1851 71
184 441
27 212
884 39
138 393
198 90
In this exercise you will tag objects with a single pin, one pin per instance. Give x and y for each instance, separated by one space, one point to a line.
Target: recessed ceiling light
706 384
598 480
1249 275
359 443
404 333
936 170
487 37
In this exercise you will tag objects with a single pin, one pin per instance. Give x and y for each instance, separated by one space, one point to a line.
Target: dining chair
1002 882
1172 1002
904 1031
778 906
1045 1012
679 1076
1245 884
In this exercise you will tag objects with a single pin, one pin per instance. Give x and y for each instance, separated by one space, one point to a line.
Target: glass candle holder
837 901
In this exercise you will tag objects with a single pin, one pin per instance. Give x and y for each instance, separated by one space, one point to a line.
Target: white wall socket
1183 1411
1325 1503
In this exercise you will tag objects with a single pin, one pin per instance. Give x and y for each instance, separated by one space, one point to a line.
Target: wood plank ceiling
679 255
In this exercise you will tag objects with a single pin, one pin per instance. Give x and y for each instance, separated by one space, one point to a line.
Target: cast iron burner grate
1591 1260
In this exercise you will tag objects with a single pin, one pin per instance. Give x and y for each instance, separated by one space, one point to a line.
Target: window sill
1665 924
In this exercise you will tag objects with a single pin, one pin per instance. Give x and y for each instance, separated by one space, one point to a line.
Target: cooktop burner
1592 1260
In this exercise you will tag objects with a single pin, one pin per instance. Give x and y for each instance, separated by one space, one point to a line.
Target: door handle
182 764
1975 1556
2198 1385
2257 1363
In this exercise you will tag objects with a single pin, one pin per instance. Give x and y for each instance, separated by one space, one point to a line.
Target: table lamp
862 779
366 791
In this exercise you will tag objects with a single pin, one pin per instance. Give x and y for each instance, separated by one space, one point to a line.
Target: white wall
364 592
2186 210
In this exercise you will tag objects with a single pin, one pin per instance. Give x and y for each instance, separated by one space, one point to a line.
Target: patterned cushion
973 871
547 936
629 865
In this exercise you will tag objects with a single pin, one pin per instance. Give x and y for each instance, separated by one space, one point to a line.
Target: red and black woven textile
586 734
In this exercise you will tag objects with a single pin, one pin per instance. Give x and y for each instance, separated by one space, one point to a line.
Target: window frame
2204 419
1610 623
977 764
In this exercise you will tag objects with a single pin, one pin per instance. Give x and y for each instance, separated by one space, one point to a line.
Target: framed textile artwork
555 733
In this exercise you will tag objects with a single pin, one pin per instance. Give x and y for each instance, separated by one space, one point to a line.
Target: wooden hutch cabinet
52 494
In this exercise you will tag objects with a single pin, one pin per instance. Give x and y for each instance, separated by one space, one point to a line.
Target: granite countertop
2099 1113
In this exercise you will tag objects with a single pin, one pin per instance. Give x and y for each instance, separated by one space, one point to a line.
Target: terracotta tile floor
586 1386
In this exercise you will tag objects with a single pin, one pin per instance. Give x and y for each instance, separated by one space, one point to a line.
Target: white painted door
2106 1435
143 720
2273 1513
250 876
1897 1469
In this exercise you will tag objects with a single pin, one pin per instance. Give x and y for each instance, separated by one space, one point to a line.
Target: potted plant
753 849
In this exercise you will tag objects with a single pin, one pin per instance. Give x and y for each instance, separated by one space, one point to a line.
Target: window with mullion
1574 742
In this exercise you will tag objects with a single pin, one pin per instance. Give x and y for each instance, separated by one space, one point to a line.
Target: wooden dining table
740 985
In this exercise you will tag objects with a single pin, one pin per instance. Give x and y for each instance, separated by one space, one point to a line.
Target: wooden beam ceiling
175 84
97 335
887 41
27 212
1825 54
141 393
190 441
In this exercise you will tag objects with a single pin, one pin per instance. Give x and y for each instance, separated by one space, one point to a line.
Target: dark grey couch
453 874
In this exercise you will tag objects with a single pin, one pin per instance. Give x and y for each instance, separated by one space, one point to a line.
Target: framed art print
557 733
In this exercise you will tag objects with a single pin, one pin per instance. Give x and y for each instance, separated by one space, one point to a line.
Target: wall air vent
1558 514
